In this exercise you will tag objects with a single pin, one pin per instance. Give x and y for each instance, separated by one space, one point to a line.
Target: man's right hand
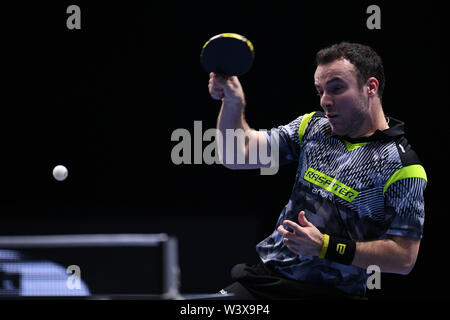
226 89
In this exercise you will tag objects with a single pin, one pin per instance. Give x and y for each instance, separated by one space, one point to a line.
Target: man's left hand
305 239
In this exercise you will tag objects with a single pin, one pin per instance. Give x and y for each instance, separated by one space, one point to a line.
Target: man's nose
326 101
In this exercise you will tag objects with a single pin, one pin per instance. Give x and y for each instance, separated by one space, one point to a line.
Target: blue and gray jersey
359 189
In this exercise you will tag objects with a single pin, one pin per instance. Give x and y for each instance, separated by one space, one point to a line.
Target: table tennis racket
227 54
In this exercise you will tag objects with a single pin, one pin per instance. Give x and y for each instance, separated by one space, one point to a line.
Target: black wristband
341 250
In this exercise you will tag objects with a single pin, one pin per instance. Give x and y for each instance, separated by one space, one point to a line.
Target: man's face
344 102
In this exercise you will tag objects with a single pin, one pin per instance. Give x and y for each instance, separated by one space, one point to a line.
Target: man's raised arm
238 143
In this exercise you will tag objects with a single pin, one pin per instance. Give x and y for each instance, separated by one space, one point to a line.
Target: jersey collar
395 130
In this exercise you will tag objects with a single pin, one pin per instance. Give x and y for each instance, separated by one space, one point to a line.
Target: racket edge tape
230 35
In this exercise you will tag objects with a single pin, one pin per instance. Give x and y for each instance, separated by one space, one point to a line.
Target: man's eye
337 89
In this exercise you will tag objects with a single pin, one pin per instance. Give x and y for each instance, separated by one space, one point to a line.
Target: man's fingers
215 85
293 225
217 94
218 80
288 237
285 233
294 248
216 90
302 219
221 87
282 230
218 97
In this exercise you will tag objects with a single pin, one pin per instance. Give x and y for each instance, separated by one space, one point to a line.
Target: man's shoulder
319 114
310 122
304 122
315 121
313 115
410 164
311 119
406 153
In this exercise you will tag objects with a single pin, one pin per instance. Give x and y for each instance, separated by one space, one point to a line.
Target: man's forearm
393 255
231 117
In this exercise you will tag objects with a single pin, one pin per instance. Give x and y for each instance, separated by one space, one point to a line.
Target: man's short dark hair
367 62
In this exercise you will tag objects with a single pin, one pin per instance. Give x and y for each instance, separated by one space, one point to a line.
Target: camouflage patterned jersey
359 189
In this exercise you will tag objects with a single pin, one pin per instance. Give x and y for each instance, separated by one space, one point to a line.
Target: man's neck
376 120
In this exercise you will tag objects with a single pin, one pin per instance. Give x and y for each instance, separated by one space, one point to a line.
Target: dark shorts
259 281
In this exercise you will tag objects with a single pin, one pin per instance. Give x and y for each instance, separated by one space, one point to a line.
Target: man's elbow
242 166
407 265
232 166
240 163
229 164
405 253
232 161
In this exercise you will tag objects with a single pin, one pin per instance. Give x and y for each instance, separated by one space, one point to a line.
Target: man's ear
372 86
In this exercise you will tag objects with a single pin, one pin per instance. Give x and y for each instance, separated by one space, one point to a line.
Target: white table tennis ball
60 173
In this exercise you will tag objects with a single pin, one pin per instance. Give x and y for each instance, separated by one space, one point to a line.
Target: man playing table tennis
358 198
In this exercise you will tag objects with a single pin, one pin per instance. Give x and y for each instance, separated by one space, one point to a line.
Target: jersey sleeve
288 139
404 199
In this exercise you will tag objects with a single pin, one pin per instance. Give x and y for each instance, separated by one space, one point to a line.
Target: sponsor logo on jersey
329 183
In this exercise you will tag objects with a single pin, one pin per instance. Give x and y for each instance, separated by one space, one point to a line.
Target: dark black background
104 101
